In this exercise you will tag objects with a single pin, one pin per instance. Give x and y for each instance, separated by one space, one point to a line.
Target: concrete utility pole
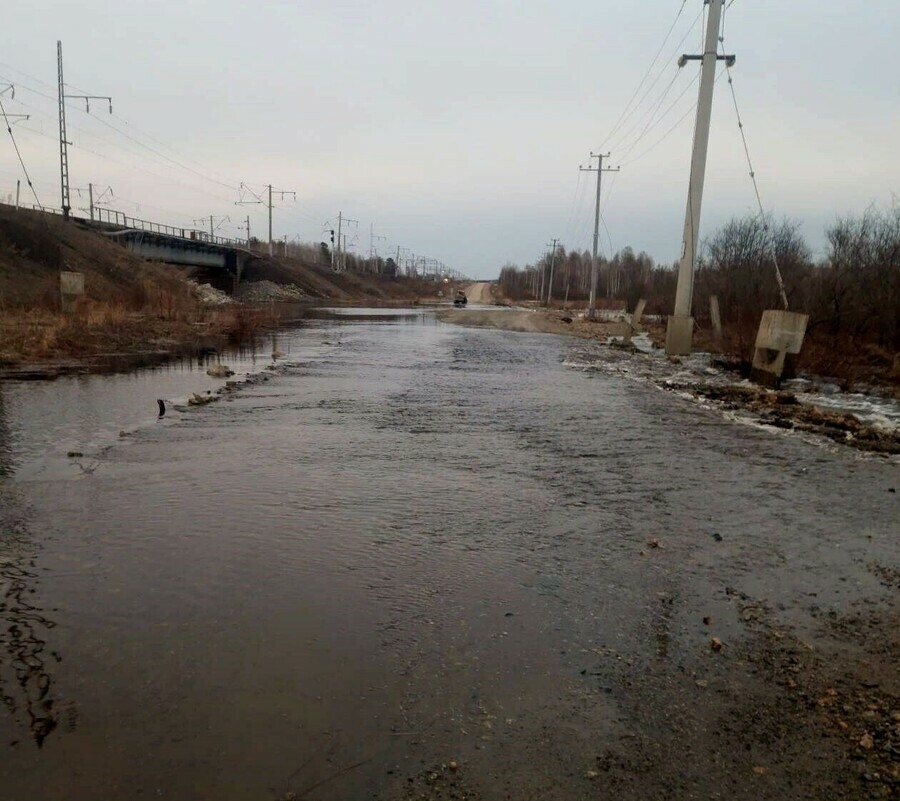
595 265
340 220
342 241
267 203
680 328
63 141
213 227
552 265
102 199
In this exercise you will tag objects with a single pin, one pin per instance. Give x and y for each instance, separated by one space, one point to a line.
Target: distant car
460 299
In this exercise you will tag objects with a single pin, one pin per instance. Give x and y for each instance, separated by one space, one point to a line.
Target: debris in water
220 371
715 644
707 620
162 406
74 454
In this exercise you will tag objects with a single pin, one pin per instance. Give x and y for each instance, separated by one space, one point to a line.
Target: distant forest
852 293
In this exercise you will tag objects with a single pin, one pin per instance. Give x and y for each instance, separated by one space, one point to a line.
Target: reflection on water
6 451
25 677
25 663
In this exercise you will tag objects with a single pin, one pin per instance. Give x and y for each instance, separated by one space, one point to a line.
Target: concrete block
778 343
71 283
679 335
71 287
782 330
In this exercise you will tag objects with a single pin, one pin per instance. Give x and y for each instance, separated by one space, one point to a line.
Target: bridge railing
110 216
113 217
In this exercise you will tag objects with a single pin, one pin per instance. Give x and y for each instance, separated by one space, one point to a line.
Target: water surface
411 543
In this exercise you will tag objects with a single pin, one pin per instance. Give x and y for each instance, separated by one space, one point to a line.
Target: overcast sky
456 129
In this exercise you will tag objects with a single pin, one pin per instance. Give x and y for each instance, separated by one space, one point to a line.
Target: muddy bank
142 343
141 309
532 322
785 410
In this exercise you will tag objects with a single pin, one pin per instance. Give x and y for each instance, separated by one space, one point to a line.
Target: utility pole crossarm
730 60
88 98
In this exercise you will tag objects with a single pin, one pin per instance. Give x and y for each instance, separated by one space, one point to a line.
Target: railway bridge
158 242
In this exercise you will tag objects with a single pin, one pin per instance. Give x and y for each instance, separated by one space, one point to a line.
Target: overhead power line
646 75
762 214
19 154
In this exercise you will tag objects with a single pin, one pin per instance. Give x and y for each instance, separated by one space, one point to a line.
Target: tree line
851 293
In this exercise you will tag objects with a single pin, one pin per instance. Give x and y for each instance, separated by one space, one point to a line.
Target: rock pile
267 291
211 296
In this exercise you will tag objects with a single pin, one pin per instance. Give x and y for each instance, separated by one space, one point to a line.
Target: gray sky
456 129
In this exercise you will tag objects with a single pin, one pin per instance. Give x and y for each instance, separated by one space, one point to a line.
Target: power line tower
104 198
267 203
341 241
63 141
680 327
595 266
215 223
373 250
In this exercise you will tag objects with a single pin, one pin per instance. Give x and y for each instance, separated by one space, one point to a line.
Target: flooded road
414 544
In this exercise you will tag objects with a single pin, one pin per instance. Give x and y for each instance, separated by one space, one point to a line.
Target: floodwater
412 543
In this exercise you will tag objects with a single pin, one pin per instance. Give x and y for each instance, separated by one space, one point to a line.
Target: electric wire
18 153
659 75
646 75
653 121
166 161
692 109
119 131
573 205
762 214
651 111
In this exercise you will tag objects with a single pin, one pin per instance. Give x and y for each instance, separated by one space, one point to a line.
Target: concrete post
71 287
680 329
638 313
716 319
